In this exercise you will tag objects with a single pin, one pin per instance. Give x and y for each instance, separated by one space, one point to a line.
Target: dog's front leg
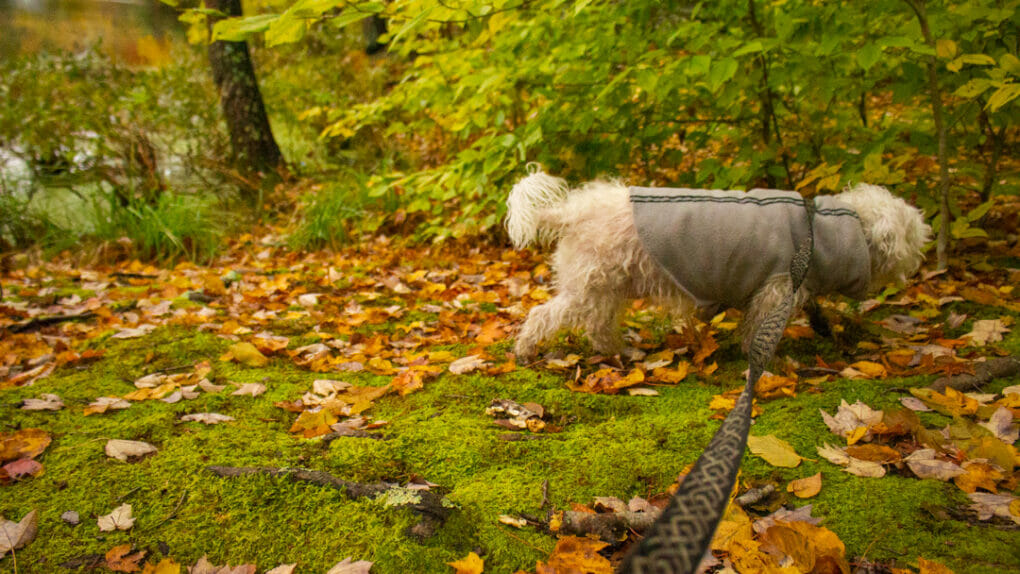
543 322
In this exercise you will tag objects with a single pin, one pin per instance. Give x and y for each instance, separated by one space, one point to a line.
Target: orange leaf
574 554
470 564
118 559
806 487
27 443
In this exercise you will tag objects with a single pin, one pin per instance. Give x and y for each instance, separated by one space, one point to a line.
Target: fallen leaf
14 535
19 469
952 403
924 464
1002 426
345 566
283 569
125 449
979 474
806 487
574 554
25 443
46 402
168 566
252 389
246 354
988 505
470 564
987 331
864 468
930 567
775 451
467 364
852 421
103 404
118 559
119 519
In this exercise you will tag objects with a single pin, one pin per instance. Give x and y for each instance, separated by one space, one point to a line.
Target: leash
678 540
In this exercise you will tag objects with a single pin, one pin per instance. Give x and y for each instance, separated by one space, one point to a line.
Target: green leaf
1010 63
973 88
699 64
722 70
347 17
412 25
1003 96
239 29
977 59
581 6
868 55
285 30
979 211
749 48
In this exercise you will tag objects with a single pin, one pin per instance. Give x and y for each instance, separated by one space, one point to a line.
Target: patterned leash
677 541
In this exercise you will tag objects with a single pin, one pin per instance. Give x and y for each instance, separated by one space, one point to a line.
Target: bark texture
251 138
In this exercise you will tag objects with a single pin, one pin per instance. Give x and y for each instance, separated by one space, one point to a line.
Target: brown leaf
573 554
118 559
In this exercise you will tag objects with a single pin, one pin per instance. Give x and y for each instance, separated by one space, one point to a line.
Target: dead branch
429 505
984 373
36 323
610 527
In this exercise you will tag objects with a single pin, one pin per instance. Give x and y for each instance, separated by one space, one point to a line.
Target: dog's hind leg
601 321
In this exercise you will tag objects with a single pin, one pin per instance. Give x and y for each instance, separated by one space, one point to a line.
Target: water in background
132 32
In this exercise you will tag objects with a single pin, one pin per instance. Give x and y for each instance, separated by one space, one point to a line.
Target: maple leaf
125 449
978 474
852 421
470 564
467 364
313 423
987 331
118 559
14 535
46 402
811 548
775 451
574 554
952 403
1002 426
119 519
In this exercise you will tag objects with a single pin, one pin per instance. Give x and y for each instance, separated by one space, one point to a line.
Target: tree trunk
251 139
942 244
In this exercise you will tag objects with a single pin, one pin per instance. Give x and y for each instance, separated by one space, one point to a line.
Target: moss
610 446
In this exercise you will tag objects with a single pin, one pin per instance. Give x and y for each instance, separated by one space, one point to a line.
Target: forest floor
378 365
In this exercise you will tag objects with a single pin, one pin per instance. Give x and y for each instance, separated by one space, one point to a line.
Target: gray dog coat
720 247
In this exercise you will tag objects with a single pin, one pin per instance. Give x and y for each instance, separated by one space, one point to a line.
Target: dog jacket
720 247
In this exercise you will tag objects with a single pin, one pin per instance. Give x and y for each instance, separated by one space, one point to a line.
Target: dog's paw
524 352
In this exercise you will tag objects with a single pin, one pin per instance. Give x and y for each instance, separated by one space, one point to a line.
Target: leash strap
678 540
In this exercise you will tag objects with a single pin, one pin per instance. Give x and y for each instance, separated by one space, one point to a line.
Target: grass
612 446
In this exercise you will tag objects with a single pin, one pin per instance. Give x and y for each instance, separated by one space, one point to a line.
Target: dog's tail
528 218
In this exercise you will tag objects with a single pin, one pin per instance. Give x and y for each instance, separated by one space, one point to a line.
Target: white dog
698 251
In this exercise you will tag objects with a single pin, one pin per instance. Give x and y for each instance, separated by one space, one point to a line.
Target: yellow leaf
165 566
27 443
672 376
978 475
872 370
574 554
806 487
470 564
246 354
930 567
945 48
856 435
312 424
775 451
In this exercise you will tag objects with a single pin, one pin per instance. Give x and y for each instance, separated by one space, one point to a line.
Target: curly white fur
600 262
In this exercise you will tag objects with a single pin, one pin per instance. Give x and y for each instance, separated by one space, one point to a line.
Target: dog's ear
895 231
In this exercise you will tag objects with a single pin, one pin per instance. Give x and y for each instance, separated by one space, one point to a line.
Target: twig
173 513
39 322
755 495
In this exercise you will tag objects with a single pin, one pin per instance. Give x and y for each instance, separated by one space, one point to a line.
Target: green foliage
722 94
336 213
176 226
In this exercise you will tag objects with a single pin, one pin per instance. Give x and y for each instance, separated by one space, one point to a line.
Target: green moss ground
612 446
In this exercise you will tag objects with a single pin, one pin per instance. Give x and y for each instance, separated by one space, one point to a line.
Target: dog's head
895 231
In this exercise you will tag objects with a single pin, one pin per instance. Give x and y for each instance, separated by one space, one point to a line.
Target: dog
696 251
